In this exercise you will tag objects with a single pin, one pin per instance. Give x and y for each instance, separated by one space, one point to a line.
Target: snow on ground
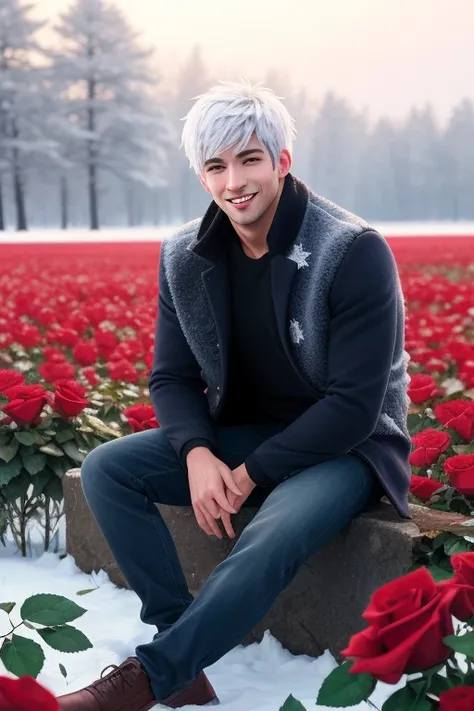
151 234
258 677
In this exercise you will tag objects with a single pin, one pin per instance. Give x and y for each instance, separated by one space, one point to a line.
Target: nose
236 180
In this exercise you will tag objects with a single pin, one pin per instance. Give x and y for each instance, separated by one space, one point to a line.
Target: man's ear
284 163
204 184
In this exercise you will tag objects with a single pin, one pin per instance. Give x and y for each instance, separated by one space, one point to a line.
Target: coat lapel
216 284
283 270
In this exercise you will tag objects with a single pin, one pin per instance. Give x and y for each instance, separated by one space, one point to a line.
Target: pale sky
382 55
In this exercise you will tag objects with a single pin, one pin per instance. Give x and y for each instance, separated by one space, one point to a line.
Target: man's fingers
225 517
202 521
230 483
223 503
212 523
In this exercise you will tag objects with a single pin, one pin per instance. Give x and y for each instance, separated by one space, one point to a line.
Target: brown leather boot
128 688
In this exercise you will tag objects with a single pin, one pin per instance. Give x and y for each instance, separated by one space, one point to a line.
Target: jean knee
95 468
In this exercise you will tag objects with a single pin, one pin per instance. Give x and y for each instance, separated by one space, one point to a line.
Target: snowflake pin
299 256
296 333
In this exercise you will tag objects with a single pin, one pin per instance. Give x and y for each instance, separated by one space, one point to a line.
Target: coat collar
216 228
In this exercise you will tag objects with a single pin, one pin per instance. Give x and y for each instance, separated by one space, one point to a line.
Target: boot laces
111 679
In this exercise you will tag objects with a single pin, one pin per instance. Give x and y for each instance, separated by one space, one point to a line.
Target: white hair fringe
228 115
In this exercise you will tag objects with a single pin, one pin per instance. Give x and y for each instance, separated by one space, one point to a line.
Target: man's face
246 185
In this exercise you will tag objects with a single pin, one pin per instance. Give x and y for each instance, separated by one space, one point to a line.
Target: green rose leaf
439 684
65 639
85 592
64 436
463 644
22 656
18 486
72 451
406 700
292 704
438 573
63 671
7 606
25 437
341 688
457 545
50 610
52 449
10 470
8 451
41 479
60 465
54 489
34 463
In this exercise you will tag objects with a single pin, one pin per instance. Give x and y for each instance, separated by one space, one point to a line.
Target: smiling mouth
241 200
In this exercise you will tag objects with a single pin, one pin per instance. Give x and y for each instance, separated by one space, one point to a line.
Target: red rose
52 371
460 470
85 353
26 403
429 444
141 417
461 698
122 370
25 694
409 618
422 487
69 398
9 379
458 415
422 388
27 336
91 376
463 584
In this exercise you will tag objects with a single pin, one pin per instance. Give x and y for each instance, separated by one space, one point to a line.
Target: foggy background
92 94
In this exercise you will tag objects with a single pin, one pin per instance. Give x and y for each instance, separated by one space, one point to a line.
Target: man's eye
255 160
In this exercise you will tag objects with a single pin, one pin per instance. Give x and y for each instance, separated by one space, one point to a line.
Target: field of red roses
77 324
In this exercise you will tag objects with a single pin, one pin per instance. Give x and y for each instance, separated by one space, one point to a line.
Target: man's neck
254 238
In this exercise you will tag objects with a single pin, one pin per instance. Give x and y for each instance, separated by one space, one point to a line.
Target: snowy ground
258 677
151 234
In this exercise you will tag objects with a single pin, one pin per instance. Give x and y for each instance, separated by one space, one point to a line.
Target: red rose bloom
422 388
26 403
122 370
429 444
141 417
458 415
460 470
461 698
409 618
10 379
422 487
27 336
52 371
85 353
463 584
91 376
69 398
25 694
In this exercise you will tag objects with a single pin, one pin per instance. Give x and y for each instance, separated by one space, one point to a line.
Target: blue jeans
123 478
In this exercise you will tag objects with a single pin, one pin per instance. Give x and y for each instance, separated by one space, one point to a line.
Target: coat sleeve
362 331
177 389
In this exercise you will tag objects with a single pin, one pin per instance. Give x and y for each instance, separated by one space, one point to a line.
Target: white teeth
244 199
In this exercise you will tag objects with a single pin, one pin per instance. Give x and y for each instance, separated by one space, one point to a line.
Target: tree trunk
19 194
64 203
2 217
92 156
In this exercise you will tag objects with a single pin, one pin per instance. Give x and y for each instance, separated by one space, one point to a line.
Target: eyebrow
242 154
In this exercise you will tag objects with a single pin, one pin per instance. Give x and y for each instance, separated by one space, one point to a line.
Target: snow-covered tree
112 122
23 105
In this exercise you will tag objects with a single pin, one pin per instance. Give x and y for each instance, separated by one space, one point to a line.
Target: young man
279 381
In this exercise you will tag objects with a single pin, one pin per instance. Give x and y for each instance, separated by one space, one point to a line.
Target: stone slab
322 606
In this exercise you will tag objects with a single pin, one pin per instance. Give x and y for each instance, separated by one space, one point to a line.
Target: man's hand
246 485
211 483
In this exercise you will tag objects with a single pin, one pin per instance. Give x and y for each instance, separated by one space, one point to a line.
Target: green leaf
10 470
63 671
41 479
405 700
463 644
292 704
86 592
341 688
60 465
22 656
438 573
65 639
24 437
45 424
50 610
439 684
34 463
457 545
455 677
7 606
64 436
40 439
52 449
54 489
18 486
8 451
72 451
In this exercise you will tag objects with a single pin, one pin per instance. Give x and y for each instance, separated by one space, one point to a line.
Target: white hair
228 115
